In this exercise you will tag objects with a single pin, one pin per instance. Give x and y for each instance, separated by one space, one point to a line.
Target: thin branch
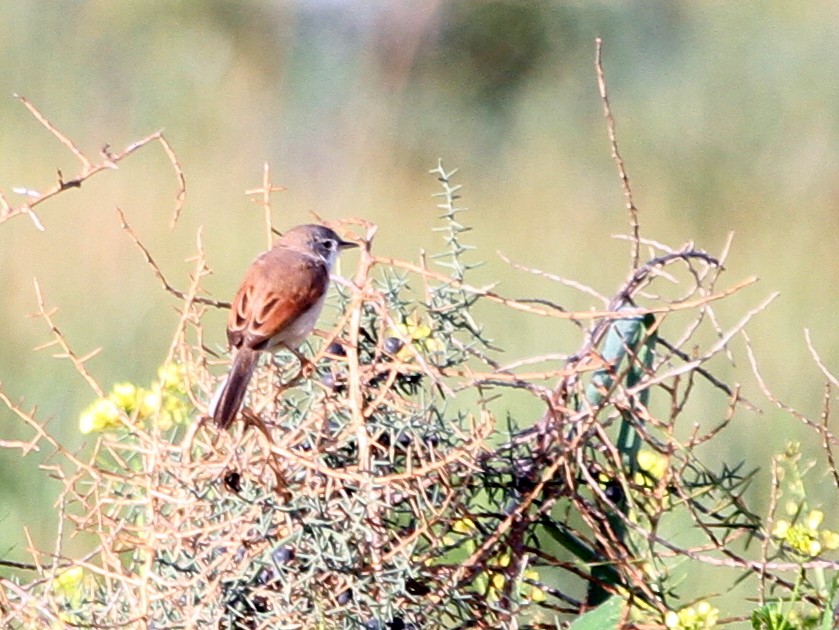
180 198
616 156
827 373
264 200
87 165
159 274
110 161
822 430
78 362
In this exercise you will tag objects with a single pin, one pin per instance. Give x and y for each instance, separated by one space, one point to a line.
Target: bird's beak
346 244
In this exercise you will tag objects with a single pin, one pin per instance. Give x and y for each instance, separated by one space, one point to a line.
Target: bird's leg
307 368
274 462
253 420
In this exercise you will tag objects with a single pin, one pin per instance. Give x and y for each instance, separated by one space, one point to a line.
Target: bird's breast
296 332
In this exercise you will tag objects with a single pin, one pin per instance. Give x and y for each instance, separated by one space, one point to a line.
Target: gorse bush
401 487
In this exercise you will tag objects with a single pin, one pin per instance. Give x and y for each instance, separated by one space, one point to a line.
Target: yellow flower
537 595
702 616
464 526
792 451
803 538
101 415
68 580
498 581
433 345
165 401
707 612
814 519
830 539
781 528
533 593
415 329
653 466
150 402
124 396
652 462
165 421
419 336
688 617
174 412
71 585
171 377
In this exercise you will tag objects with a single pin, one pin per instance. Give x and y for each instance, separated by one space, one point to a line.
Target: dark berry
233 481
336 349
283 555
404 440
432 439
393 345
260 604
416 587
265 576
614 492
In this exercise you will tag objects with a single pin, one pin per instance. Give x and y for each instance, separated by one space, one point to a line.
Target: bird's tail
228 398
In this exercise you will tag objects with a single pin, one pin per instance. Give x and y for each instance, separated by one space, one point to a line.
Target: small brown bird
277 305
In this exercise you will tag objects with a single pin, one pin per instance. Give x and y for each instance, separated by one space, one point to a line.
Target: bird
276 306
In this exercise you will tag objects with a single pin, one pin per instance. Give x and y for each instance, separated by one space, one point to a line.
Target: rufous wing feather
277 289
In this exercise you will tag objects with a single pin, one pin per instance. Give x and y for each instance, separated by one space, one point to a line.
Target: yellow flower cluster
418 336
805 538
527 591
497 580
698 617
72 586
165 402
465 526
654 466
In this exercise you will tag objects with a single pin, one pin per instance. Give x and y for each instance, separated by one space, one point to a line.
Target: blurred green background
727 114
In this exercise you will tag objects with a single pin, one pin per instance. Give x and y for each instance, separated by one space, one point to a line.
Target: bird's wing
279 286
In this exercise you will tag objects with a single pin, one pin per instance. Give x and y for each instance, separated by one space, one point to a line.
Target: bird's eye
330 244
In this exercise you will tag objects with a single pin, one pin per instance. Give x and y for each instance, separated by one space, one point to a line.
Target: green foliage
605 617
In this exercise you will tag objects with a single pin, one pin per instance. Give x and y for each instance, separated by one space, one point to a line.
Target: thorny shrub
389 491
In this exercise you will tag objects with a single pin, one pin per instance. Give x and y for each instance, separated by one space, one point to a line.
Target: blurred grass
727 116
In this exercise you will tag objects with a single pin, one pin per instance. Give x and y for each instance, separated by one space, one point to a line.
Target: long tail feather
228 399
